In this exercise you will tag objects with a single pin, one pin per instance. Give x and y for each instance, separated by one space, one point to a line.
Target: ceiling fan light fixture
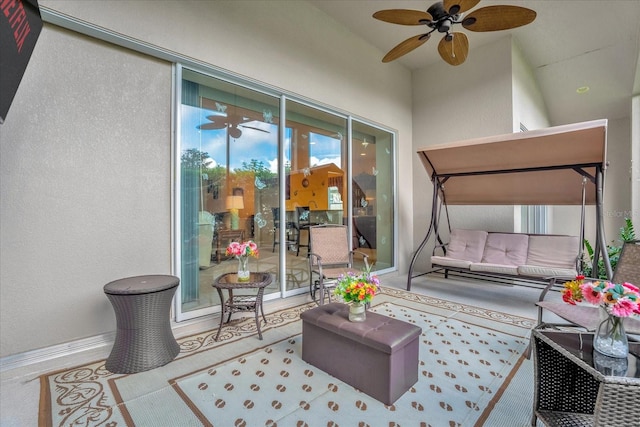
445 25
234 132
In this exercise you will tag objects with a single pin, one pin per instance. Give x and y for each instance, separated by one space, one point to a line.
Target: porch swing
562 165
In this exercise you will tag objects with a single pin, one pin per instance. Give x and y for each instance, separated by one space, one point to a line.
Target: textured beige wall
85 187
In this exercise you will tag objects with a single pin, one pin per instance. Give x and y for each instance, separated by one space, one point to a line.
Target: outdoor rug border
91 399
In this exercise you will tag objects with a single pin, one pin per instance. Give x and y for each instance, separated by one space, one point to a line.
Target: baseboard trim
47 354
182 329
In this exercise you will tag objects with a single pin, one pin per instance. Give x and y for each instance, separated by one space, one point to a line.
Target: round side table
143 338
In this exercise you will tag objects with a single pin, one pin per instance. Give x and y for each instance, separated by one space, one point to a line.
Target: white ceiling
572 43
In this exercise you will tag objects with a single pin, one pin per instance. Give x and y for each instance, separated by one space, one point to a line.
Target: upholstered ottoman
379 356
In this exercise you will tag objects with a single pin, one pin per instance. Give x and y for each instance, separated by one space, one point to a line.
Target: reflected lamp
233 204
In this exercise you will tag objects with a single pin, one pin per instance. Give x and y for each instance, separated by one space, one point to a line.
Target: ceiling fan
231 120
442 16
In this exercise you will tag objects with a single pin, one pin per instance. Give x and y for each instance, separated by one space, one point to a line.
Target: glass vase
610 366
357 312
610 338
243 269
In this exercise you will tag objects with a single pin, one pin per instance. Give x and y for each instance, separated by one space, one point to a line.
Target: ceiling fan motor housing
442 20
436 10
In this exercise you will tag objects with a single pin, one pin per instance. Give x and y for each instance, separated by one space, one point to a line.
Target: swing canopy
539 167
562 165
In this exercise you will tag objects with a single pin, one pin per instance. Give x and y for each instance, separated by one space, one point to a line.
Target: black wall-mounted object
20 26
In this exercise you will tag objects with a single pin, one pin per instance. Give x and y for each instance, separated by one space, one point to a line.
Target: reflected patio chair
627 270
303 222
330 259
290 226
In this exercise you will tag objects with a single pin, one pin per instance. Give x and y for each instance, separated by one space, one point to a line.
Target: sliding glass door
373 193
228 173
230 143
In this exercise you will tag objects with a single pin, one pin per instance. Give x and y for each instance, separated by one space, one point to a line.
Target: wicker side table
242 303
143 337
570 391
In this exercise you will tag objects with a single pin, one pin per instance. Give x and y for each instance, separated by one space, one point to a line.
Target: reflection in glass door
373 193
317 185
231 187
228 174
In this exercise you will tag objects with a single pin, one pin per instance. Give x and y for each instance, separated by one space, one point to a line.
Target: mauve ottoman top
380 332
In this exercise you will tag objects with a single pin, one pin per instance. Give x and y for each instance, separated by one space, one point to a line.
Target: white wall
528 104
529 109
86 147
457 103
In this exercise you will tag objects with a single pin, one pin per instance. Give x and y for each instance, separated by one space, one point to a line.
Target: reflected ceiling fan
442 17
233 121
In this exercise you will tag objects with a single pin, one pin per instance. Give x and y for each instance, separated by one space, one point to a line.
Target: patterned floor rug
471 372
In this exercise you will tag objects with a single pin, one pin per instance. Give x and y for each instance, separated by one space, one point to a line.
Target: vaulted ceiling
571 44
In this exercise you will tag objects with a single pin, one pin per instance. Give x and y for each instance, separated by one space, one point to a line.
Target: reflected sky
252 144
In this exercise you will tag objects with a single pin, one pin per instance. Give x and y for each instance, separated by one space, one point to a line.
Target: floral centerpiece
242 251
357 290
616 301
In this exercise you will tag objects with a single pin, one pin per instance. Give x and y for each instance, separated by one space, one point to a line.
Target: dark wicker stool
143 338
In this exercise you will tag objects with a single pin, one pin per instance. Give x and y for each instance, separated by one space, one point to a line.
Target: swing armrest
442 247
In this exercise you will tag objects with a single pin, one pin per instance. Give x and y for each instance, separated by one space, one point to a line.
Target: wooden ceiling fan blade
453 48
459 6
208 126
405 47
214 125
403 16
497 18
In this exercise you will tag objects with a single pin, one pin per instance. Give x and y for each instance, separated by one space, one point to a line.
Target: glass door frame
179 315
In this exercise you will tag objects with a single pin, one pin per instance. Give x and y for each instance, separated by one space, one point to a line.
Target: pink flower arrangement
244 249
620 300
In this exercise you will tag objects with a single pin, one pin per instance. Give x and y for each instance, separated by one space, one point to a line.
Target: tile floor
20 387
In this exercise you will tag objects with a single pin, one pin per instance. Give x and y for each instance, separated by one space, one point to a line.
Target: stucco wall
85 187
